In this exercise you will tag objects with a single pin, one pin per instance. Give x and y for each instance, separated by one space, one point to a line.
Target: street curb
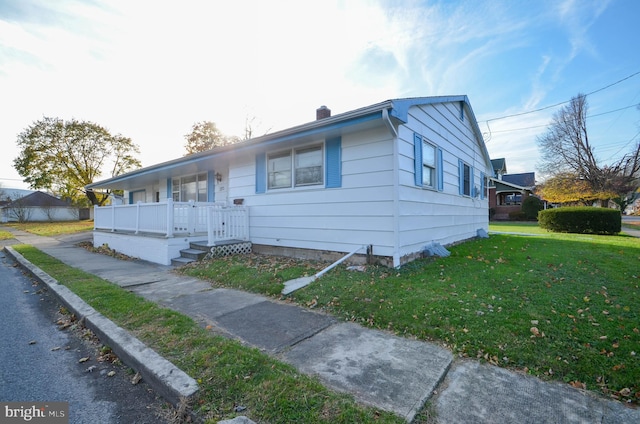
170 382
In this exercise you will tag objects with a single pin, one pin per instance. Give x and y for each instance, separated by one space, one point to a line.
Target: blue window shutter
417 150
261 173
472 187
460 177
169 189
131 198
211 186
482 188
333 160
439 164
461 110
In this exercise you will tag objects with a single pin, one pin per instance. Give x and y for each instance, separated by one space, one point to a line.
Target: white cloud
150 69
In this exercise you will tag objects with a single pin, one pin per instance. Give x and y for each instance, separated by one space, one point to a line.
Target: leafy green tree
65 156
568 155
204 136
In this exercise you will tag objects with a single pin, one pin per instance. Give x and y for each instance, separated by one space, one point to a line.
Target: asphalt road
41 362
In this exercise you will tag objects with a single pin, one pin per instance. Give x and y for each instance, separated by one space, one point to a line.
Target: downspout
396 188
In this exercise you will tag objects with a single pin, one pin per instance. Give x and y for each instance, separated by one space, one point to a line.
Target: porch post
245 211
210 225
191 212
170 217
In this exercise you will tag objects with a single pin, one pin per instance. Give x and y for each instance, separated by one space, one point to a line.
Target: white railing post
210 226
170 216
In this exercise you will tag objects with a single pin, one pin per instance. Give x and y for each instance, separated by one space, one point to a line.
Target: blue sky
150 69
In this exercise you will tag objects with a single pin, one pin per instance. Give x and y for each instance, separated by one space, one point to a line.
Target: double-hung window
428 164
466 179
295 167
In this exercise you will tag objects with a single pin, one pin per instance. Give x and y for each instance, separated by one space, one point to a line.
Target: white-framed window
428 164
191 187
295 168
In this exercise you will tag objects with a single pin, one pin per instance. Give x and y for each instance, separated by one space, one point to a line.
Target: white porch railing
219 222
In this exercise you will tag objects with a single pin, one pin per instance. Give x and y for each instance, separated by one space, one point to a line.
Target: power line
620 149
564 102
590 116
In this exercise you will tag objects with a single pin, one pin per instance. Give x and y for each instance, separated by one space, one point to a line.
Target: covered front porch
157 232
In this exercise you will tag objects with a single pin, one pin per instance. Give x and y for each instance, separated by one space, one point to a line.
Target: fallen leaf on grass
625 392
578 384
535 332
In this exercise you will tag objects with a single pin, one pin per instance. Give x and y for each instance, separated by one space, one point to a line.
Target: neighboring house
392 177
38 206
507 191
499 167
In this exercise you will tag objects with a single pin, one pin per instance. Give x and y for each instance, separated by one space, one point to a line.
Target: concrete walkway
377 368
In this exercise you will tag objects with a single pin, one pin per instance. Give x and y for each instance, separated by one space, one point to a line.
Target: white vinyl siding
357 212
443 216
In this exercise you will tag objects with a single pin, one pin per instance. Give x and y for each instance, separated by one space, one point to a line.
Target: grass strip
562 307
229 374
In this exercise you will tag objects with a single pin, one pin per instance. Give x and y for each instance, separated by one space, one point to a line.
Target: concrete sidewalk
377 368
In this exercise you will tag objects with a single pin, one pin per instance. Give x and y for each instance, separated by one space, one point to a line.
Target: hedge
584 220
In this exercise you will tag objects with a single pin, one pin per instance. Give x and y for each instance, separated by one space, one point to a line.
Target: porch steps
198 250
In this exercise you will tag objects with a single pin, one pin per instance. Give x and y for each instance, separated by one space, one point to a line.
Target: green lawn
52 229
558 306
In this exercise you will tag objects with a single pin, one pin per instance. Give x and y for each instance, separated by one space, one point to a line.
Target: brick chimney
322 112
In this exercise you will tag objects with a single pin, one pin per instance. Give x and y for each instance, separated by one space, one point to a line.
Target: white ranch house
395 176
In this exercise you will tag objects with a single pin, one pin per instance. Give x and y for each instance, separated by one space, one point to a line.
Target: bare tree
19 210
566 151
49 210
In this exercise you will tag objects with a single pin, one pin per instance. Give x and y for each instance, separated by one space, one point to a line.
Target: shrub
589 220
517 216
531 206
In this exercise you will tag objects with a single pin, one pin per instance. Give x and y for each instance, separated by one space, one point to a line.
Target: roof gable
499 166
38 199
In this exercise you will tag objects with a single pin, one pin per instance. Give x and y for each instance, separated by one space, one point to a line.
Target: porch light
218 177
